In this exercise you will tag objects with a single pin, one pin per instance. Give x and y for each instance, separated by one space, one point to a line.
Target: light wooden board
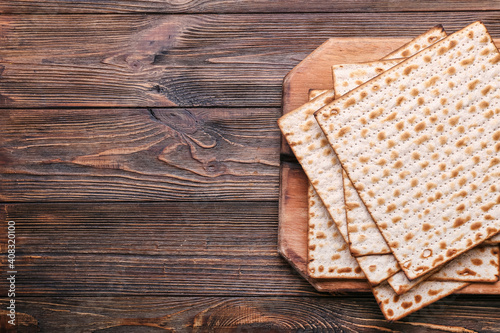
314 72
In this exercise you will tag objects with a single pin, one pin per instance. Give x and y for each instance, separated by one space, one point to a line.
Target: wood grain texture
233 6
99 265
139 154
249 314
211 248
184 60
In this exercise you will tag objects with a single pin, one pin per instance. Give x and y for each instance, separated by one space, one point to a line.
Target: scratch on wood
153 115
453 329
379 328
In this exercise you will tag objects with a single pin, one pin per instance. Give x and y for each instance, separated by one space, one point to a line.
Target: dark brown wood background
139 158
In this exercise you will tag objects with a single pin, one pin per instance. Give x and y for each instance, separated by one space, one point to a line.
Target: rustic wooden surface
139 157
233 60
139 154
238 6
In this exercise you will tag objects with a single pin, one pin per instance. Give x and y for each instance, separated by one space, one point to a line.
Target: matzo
419 43
369 241
493 240
375 270
419 142
347 77
479 264
396 306
328 254
364 236
361 226
318 160
313 93
400 283
378 268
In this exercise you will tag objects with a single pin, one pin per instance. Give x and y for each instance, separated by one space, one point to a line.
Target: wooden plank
234 6
176 248
246 314
185 60
139 154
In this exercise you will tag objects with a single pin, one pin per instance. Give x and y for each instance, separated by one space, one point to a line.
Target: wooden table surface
139 159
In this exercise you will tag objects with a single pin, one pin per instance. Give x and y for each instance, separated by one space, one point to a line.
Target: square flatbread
317 158
419 43
493 240
380 268
479 264
396 306
347 77
364 236
420 144
321 262
328 253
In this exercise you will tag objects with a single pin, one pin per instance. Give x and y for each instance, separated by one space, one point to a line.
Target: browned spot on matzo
400 100
420 127
408 69
495 59
451 70
343 131
467 62
454 120
483 104
405 136
475 225
390 117
376 113
472 85
349 102
391 207
477 262
432 81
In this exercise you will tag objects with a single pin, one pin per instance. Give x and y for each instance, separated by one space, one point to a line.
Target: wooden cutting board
314 72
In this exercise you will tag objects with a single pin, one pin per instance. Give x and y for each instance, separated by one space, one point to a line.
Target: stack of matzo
415 151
